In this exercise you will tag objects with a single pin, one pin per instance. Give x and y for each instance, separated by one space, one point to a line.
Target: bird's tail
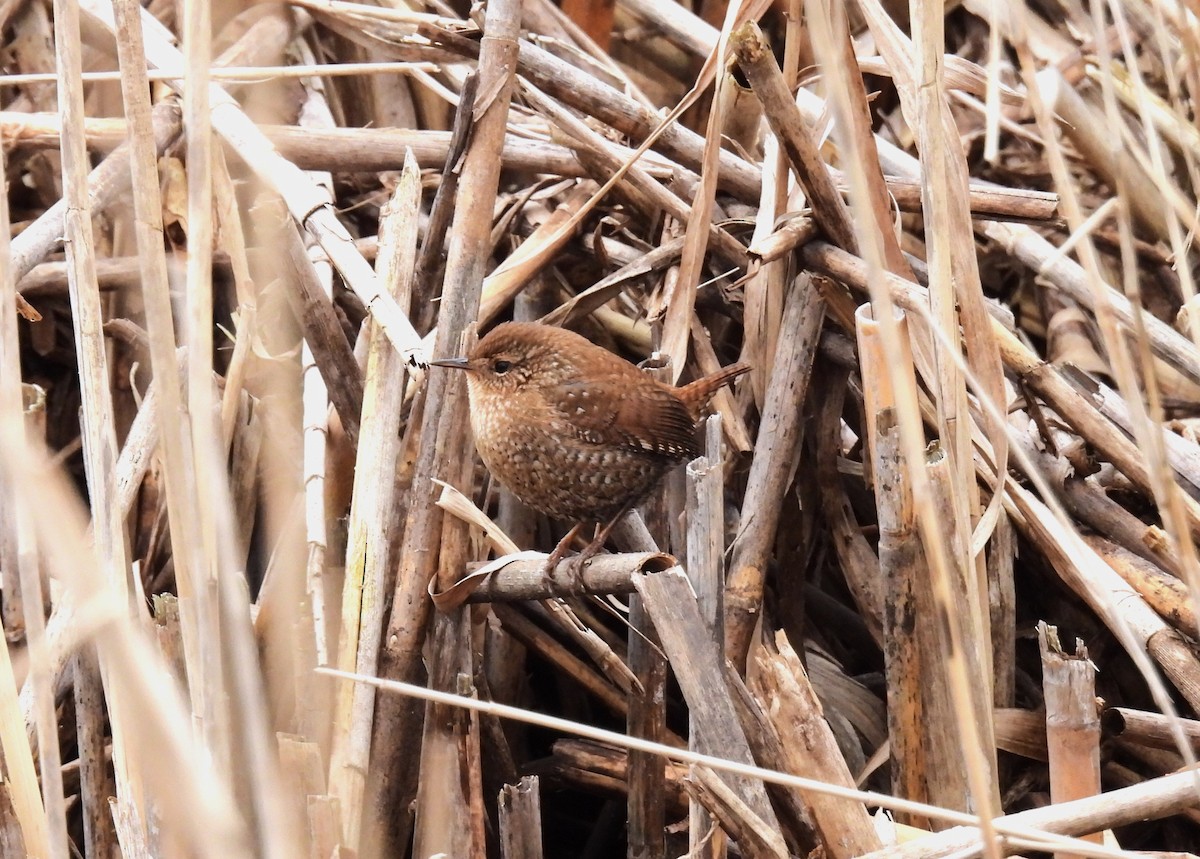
695 395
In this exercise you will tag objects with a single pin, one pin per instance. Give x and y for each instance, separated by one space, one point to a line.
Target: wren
573 430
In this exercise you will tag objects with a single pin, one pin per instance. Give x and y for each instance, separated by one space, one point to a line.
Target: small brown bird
572 429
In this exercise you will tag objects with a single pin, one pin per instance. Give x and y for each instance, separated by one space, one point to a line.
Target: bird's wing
635 417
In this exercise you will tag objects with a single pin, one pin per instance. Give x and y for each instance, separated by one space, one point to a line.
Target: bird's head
514 356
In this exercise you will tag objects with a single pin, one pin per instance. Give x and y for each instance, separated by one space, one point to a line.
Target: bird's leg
560 552
593 548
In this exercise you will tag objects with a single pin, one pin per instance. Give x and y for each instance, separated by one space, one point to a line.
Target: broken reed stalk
1045 379
1156 798
1072 721
957 299
526 579
810 750
520 819
945 538
646 775
1139 629
513 578
765 742
1151 800
975 646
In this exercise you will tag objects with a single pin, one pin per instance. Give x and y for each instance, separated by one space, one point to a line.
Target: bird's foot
579 563
556 557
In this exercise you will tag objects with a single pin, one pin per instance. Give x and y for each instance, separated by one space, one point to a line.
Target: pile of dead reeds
936 573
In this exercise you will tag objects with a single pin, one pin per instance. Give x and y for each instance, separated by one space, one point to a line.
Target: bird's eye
500 366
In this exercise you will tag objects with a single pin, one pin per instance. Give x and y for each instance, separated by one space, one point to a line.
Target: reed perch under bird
573 430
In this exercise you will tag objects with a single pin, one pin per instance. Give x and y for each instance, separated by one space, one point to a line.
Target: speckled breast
545 465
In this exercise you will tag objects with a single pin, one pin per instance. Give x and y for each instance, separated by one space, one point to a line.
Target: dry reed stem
900 564
372 150
609 160
11 408
795 136
1172 503
645 774
1046 380
677 317
1117 286
111 177
767 745
774 462
1022 732
1149 800
1156 798
1135 624
754 837
956 297
1165 593
198 809
610 694
25 824
373 508
1002 599
99 431
1072 721
520 819
944 554
810 749
304 201
854 552
445 395
174 426
590 96
315 280
232 238
694 655
706 571
1152 729
200 620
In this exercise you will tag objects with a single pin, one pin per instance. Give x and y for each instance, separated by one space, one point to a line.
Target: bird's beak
453 363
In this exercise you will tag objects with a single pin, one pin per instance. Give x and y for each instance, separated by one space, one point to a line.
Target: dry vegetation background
941 548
